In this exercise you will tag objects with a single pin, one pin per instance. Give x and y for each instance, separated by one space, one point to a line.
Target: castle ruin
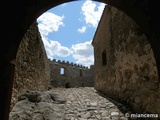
66 74
125 67
35 71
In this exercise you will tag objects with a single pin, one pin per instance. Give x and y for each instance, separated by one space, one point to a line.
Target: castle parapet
67 63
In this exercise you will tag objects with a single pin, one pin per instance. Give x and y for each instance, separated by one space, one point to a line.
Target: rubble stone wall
125 66
75 75
32 66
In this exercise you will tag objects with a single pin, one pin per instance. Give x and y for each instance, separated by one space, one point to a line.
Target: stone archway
27 11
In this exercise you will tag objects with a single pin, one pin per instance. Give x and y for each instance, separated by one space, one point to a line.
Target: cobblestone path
86 104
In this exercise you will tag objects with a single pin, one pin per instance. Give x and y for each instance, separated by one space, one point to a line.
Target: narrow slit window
104 58
62 71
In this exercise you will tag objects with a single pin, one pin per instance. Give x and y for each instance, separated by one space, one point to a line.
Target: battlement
67 63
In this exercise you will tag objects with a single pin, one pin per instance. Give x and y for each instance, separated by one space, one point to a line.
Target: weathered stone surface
77 107
34 108
128 71
56 97
74 75
32 65
125 67
32 96
33 68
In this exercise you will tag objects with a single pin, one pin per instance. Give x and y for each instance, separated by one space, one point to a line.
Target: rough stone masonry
125 68
35 71
72 75
32 66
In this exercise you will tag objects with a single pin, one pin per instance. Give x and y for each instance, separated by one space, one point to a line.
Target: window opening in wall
104 58
62 71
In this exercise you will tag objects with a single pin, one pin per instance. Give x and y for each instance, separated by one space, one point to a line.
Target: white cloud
82 30
49 22
83 53
55 48
92 16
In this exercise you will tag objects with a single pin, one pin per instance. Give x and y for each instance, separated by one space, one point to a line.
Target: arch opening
30 20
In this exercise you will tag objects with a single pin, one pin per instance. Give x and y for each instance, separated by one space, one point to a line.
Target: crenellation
59 61
124 65
67 63
63 62
49 71
54 60
129 71
71 63
75 74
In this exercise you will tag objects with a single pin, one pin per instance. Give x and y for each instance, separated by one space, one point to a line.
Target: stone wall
32 66
125 68
75 75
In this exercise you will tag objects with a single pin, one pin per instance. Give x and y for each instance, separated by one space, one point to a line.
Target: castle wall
125 68
32 66
75 75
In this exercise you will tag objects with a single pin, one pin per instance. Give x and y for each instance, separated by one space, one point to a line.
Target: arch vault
18 15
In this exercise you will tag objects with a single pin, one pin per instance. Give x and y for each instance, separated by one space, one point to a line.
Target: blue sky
67 31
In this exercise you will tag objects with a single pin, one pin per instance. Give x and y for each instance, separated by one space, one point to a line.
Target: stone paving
82 103
86 104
